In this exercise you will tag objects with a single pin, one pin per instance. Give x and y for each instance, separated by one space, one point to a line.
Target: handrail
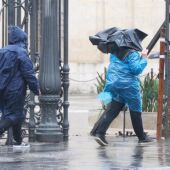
155 38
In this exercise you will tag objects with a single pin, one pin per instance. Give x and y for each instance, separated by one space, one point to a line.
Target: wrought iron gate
26 14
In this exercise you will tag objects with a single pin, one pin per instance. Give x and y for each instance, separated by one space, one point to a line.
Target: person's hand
144 53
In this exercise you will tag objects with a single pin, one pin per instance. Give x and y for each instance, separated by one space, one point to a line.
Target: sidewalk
81 152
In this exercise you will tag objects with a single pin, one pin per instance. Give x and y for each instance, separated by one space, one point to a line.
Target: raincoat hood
17 36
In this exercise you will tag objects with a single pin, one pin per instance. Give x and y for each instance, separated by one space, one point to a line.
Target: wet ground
81 152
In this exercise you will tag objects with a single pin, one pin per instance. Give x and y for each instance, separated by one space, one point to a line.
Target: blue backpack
8 67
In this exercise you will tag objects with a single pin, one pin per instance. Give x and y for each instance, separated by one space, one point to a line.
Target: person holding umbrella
127 61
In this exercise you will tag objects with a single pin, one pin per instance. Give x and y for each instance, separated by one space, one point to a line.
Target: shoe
23 147
16 143
145 140
100 139
21 144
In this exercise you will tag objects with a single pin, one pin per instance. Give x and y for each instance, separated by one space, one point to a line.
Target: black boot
17 134
5 124
146 139
100 139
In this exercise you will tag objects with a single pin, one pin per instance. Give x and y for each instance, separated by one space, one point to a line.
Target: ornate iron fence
26 14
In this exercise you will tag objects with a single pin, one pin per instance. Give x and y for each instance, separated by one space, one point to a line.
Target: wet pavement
81 152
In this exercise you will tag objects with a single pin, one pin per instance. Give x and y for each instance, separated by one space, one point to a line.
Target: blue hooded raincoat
122 81
13 98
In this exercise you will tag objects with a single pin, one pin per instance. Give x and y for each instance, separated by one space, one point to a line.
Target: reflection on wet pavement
81 152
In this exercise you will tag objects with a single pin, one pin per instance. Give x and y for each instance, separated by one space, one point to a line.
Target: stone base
149 120
50 135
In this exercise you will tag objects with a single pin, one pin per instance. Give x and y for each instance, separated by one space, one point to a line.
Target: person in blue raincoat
122 87
13 97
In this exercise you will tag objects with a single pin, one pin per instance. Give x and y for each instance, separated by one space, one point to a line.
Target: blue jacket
13 98
122 81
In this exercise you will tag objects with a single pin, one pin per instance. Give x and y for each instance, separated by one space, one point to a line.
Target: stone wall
87 17
149 120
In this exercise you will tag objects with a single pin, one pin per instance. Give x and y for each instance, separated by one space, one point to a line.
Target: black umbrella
118 41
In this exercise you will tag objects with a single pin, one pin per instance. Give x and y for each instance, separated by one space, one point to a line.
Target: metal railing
26 14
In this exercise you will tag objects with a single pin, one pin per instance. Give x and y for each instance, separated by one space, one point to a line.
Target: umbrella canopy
118 41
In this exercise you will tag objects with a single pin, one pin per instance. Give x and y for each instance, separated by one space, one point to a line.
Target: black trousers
111 112
5 124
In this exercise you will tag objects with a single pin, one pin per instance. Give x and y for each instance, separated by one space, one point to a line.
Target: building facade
87 17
